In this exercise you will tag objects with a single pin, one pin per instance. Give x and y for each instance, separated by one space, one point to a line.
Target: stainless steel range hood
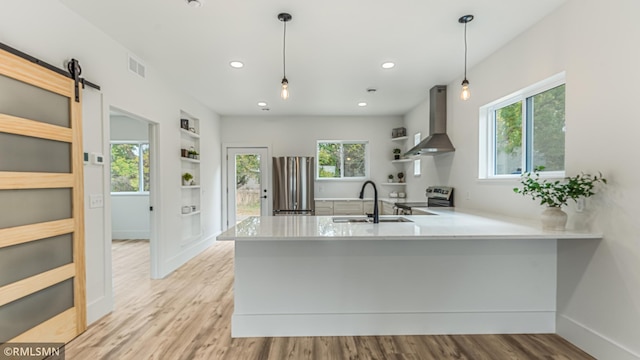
438 142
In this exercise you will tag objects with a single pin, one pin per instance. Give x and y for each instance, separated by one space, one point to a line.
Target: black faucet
376 216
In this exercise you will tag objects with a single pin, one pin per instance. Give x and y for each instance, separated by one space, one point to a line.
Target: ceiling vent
136 67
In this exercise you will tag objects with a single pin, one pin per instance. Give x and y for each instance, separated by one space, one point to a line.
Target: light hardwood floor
188 316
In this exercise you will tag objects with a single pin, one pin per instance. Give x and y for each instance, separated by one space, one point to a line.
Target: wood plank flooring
188 316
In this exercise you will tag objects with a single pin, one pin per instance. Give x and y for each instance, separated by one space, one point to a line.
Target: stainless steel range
437 196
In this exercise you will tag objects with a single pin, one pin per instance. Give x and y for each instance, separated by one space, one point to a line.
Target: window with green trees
130 167
525 131
341 159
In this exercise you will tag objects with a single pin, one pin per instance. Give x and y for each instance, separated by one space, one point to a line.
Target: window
129 167
342 160
524 131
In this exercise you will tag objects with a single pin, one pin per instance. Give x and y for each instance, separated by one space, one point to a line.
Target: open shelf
401 161
190 160
191 213
190 133
191 186
401 138
394 184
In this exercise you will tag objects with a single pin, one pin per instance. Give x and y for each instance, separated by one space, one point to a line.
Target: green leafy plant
557 193
187 177
397 151
390 176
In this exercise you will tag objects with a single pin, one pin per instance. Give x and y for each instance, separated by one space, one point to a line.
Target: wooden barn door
42 258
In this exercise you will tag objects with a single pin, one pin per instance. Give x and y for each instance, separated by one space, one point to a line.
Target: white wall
593 41
49 31
298 136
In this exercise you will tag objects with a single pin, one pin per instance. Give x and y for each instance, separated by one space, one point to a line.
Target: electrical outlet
96 201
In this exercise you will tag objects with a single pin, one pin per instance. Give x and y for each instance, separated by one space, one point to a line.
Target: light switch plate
85 158
97 159
96 201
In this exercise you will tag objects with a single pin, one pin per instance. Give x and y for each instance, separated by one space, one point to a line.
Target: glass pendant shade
465 94
284 93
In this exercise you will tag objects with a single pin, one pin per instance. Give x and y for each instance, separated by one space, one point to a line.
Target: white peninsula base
449 273
321 288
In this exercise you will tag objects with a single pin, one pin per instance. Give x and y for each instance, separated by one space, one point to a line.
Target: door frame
154 198
225 188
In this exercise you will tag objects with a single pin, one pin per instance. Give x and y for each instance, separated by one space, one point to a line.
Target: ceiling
335 48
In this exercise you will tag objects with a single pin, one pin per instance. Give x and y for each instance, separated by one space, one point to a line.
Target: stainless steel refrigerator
293 178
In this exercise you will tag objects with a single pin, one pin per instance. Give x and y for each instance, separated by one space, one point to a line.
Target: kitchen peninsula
446 273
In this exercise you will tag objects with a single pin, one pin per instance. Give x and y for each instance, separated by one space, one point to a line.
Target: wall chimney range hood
437 142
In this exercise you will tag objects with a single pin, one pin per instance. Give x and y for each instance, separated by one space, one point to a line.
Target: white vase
553 218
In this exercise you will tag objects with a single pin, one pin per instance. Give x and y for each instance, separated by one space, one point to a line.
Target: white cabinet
387 208
347 207
190 189
324 207
367 207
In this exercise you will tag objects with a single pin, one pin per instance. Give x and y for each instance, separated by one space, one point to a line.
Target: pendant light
284 93
465 94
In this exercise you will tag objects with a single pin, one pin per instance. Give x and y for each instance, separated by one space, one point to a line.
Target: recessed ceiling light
236 64
194 3
362 104
388 65
262 103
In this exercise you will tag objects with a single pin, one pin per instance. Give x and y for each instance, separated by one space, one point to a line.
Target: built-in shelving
190 133
401 161
401 138
191 194
195 161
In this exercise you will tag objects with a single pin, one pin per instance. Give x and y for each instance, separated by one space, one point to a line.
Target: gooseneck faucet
376 217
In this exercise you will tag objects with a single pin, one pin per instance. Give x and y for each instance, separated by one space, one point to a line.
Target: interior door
247 184
42 256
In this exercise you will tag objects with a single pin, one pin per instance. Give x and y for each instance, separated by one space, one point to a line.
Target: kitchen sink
369 220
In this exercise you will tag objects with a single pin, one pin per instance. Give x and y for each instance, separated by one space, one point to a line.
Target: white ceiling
334 48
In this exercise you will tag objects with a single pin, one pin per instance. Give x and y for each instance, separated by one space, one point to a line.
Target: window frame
487 130
141 182
342 178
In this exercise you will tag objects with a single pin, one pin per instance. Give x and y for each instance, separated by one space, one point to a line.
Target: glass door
247 184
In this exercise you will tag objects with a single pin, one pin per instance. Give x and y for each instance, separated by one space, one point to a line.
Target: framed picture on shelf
184 123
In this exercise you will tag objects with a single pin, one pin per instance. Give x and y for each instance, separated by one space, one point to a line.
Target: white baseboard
392 324
592 342
98 309
187 254
130 234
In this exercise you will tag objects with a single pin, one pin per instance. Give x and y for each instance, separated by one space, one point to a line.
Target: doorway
133 184
247 183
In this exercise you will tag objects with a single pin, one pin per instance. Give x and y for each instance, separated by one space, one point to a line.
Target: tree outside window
341 159
130 167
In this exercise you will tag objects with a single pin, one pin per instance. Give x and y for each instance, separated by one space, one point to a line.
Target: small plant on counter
390 178
556 193
396 154
186 179
400 177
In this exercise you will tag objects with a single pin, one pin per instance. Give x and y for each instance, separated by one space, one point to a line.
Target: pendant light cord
465 50
284 54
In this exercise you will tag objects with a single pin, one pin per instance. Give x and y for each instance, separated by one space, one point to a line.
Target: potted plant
193 154
396 154
554 194
401 177
390 178
186 179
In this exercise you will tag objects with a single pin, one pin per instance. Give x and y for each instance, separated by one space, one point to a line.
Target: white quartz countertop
446 223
